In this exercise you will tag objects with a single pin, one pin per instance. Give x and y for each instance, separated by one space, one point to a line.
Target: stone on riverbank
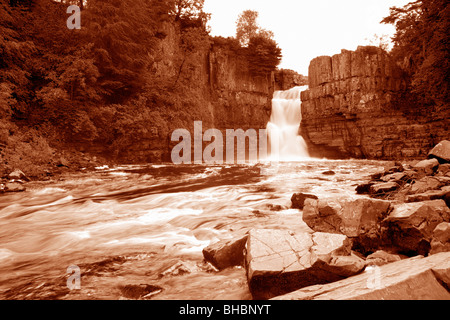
279 261
14 187
441 238
359 219
298 199
441 152
426 167
226 253
416 278
18 175
409 227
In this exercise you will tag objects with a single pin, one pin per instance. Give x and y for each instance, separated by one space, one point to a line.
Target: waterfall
283 129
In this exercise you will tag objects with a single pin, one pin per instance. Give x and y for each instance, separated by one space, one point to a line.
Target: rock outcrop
226 253
416 278
279 261
410 226
349 109
359 219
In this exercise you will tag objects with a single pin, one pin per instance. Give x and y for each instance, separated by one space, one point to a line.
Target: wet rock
441 152
358 219
226 253
384 188
275 207
298 199
14 187
178 269
409 227
140 292
441 238
279 261
416 278
381 257
18 175
364 188
427 167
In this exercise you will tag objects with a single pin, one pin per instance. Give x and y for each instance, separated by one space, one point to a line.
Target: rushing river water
136 225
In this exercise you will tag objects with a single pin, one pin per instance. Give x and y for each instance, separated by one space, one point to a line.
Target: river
126 227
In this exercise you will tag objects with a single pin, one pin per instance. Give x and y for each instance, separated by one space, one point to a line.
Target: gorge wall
350 109
219 91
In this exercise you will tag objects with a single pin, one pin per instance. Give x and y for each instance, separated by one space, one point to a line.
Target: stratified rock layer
349 109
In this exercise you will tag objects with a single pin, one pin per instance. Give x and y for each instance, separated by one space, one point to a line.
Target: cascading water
283 129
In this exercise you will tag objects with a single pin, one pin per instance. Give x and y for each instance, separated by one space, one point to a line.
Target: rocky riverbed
393 245
314 229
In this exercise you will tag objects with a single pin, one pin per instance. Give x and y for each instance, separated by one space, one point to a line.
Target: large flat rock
416 278
280 261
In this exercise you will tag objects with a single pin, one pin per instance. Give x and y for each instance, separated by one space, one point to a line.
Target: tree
421 45
247 27
263 55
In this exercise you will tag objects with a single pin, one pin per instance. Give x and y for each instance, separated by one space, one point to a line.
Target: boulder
441 238
226 253
429 195
441 152
323 215
381 257
427 167
409 227
358 219
425 184
444 169
280 261
415 278
18 175
298 199
14 187
384 188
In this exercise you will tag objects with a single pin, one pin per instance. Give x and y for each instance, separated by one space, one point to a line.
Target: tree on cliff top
421 45
247 27
263 53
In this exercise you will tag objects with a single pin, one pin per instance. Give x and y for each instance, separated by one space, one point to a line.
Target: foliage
421 45
263 53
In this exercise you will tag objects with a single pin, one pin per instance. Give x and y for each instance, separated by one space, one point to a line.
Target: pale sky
305 29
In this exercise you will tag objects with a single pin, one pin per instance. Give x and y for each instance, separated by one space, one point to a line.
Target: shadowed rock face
349 109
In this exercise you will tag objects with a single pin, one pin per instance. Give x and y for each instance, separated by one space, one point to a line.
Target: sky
305 29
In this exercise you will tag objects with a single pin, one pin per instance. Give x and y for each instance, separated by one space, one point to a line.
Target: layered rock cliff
218 90
350 109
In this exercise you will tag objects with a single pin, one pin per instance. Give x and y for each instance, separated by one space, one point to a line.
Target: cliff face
349 110
218 90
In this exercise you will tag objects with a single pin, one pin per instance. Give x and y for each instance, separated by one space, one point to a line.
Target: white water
283 129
